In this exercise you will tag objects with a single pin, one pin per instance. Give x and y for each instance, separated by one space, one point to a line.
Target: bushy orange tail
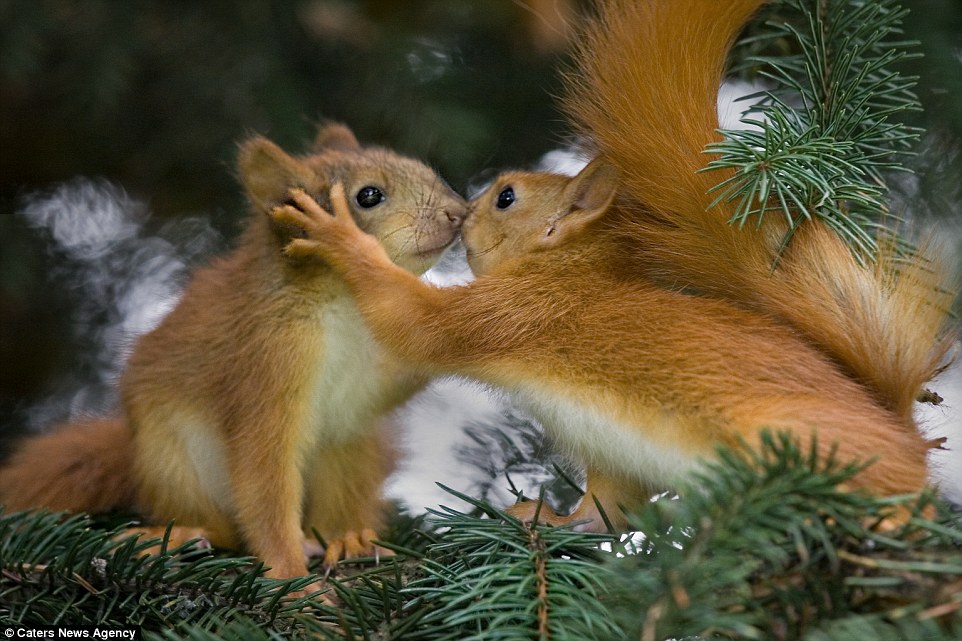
81 467
644 92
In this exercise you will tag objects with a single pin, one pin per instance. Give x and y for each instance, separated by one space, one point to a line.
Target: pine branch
62 570
829 128
763 545
516 448
493 577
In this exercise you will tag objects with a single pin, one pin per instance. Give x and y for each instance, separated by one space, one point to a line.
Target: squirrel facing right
258 411
584 309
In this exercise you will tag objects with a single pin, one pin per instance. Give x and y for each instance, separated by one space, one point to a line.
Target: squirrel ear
268 172
589 195
336 136
593 189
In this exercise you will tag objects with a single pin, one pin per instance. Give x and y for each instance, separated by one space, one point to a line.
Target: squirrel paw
351 545
530 510
319 592
323 231
179 535
900 517
583 519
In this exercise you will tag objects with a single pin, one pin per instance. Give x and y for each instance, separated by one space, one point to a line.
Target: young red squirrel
570 314
255 411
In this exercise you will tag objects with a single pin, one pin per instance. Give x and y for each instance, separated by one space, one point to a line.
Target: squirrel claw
585 518
528 511
352 545
303 212
320 231
290 215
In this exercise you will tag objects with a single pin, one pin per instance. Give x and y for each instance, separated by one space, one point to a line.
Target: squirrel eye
369 197
506 198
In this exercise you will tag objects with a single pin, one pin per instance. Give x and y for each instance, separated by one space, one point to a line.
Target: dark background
153 96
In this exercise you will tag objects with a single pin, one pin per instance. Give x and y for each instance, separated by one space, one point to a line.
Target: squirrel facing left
257 411
629 318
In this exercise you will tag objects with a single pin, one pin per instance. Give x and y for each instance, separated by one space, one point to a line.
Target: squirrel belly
358 382
301 380
578 428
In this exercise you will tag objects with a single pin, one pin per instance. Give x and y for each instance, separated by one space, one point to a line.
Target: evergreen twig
828 130
493 577
764 545
58 569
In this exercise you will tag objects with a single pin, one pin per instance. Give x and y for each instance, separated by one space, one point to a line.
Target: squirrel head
523 213
402 202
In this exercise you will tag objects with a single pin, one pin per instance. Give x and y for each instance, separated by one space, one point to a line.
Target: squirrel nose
455 214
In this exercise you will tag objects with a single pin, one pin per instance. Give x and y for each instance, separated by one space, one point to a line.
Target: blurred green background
154 96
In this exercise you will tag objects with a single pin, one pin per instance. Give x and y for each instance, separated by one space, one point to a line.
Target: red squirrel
570 312
256 411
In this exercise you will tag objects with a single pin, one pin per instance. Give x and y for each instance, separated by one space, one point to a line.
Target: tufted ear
589 195
268 172
335 136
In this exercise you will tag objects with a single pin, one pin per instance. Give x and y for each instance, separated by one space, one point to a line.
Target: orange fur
258 407
84 466
640 327
637 382
644 92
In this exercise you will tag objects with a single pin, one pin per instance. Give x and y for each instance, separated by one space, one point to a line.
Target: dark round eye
369 197
506 198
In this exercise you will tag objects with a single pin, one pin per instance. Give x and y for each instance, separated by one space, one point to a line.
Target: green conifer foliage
762 545
830 123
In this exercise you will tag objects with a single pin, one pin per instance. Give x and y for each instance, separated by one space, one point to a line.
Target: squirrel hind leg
178 536
345 502
352 545
602 508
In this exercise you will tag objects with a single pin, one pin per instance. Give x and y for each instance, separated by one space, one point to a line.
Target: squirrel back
644 92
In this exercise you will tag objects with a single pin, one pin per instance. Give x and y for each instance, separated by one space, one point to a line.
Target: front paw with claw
530 511
332 236
585 518
349 545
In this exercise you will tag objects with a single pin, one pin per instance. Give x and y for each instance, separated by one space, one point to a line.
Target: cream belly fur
601 442
207 454
355 384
